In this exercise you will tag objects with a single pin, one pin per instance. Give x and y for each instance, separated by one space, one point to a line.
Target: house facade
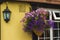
13 30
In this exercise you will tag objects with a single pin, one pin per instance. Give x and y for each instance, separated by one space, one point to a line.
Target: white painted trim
50 15
51 33
38 38
55 15
51 30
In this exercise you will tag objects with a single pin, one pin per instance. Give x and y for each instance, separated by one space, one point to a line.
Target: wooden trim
40 1
43 1
44 5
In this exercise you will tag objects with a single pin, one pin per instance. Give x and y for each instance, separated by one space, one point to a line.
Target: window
52 33
56 15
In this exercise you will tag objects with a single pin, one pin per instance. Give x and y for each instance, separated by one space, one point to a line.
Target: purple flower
35 20
27 16
51 23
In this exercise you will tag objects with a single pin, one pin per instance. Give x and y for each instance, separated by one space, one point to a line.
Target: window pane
59 24
57 14
56 39
47 33
55 25
59 33
55 33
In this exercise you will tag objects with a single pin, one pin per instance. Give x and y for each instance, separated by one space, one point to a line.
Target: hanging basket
37 22
38 33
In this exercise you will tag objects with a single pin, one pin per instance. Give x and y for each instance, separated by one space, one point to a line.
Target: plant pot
38 33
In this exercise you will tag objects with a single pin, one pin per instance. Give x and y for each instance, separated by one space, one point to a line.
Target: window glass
59 32
55 33
55 25
56 39
59 25
47 33
57 14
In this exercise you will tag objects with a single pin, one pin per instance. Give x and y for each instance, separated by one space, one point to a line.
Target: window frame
51 12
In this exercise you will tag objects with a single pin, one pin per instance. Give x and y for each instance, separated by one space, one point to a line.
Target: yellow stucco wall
13 30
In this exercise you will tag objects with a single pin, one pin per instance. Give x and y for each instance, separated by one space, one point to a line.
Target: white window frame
52 12
55 15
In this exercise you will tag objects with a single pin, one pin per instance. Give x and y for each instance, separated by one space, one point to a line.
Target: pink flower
33 12
27 16
41 11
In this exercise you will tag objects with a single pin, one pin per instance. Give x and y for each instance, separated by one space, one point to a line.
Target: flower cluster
37 20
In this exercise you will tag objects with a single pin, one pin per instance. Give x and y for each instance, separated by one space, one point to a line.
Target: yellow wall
13 30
